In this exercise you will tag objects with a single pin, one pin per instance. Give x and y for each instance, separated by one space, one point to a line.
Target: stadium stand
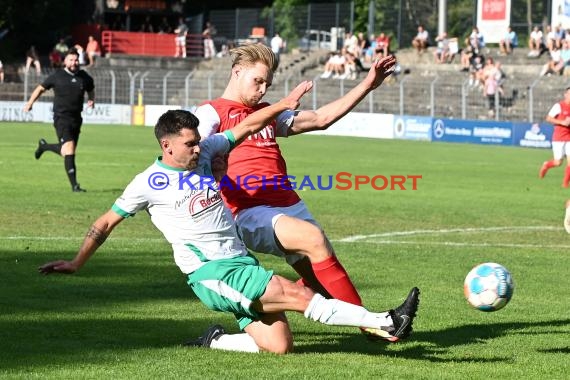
422 87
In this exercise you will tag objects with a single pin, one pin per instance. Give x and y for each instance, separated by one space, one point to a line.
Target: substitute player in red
559 115
271 217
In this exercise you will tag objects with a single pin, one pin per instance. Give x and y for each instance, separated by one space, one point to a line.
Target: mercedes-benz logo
438 128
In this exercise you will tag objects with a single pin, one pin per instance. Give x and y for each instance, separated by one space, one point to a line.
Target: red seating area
145 4
149 44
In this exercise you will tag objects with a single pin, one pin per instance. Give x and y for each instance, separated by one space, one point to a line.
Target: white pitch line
356 238
363 238
455 244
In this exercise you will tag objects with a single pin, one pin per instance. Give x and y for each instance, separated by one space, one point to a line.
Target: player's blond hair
249 55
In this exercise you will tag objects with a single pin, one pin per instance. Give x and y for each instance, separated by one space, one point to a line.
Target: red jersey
257 171
562 111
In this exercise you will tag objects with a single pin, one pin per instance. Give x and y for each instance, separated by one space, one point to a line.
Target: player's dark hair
72 51
173 121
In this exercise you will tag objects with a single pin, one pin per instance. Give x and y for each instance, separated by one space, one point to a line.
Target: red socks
335 280
545 167
566 179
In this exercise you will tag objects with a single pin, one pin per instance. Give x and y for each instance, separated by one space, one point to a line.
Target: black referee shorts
67 128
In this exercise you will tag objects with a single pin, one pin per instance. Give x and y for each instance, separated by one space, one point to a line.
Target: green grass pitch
126 313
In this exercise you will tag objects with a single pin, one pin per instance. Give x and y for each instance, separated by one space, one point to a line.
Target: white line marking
364 238
356 238
455 244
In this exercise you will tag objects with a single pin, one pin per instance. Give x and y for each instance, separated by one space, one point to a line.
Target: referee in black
69 86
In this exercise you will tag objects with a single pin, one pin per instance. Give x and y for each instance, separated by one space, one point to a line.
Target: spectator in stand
490 89
441 53
475 69
500 76
54 59
146 26
32 58
421 41
466 56
180 39
277 46
535 42
509 41
383 45
334 66
550 38
476 40
349 65
558 67
208 34
92 50
565 55
363 44
371 51
1 72
62 48
489 70
82 55
555 61
351 44
559 35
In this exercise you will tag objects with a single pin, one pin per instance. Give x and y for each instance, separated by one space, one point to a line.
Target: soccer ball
488 287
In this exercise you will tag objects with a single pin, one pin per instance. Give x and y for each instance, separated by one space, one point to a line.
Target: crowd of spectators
347 62
86 55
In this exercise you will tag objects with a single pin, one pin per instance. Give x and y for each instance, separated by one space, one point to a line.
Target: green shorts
231 285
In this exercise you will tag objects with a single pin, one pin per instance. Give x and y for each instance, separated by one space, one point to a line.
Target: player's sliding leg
216 337
392 326
283 295
270 332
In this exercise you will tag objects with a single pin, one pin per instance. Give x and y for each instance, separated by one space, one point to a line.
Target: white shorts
256 226
180 40
560 149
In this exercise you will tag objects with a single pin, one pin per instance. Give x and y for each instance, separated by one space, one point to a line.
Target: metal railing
422 95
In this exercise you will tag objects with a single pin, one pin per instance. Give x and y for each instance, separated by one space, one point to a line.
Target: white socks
340 313
235 342
328 311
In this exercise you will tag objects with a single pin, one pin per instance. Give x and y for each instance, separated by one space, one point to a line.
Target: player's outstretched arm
259 119
94 238
325 116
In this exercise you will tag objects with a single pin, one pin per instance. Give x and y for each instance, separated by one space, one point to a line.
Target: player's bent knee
280 346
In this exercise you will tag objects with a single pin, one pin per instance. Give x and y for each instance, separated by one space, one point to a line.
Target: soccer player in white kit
183 201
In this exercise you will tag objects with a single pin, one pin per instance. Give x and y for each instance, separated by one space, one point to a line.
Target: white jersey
186 207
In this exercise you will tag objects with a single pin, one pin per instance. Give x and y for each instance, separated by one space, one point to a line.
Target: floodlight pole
442 16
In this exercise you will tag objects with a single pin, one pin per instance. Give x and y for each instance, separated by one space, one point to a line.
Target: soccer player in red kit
559 115
271 217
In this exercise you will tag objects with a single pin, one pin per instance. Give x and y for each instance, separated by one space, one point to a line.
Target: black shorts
67 128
